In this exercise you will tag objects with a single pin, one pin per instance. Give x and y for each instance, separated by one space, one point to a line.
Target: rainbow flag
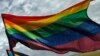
69 30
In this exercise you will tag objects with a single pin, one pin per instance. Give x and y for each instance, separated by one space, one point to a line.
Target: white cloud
94 11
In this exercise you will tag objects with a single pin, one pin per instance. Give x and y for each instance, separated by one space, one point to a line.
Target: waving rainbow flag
69 30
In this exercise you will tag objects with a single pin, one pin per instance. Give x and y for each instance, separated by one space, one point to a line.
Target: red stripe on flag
23 19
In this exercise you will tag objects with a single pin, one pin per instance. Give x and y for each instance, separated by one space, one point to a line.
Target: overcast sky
39 7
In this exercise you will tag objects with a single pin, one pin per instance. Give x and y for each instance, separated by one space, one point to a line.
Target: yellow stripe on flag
94 53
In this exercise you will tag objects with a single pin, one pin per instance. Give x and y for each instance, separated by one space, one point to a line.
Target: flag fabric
94 53
69 30
15 53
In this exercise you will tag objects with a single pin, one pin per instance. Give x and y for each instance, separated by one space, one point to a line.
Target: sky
39 7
